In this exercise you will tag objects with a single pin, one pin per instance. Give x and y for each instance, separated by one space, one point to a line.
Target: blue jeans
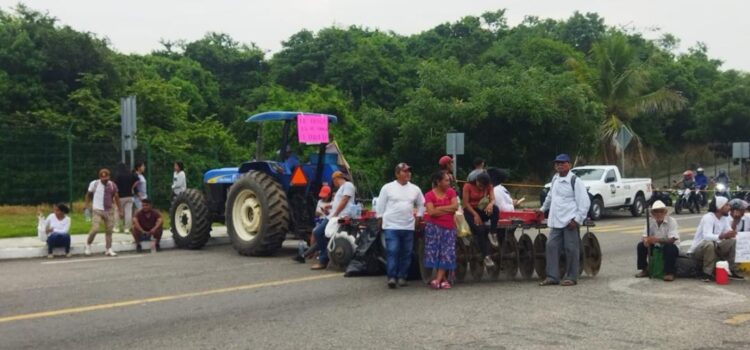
398 246
58 240
321 242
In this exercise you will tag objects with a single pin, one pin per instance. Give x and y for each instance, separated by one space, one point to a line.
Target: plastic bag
332 227
41 228
462 228
656 263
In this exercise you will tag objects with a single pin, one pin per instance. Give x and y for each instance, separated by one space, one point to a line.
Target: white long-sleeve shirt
742 226
396 204
502 199
179 184
563 204
709 229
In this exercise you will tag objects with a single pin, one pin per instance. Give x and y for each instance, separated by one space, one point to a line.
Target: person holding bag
662 231
441 204
478 201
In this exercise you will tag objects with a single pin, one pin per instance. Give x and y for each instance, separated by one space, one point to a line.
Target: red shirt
445 220
147 219
475 194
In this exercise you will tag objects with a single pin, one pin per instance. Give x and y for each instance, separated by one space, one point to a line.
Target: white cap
721 201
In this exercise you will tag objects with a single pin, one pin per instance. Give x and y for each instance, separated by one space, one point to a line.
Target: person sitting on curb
147 222
737 219
661 231
714 240
58 230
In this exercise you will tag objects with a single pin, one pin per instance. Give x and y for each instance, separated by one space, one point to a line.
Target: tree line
521 94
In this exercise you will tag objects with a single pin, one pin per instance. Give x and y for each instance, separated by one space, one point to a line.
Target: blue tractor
261 202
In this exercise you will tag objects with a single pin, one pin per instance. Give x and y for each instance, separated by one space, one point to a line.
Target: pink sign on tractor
312 128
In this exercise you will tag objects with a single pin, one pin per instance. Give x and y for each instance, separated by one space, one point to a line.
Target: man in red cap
342 206
446 164
395 211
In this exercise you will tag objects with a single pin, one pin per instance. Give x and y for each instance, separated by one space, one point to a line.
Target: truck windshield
588 174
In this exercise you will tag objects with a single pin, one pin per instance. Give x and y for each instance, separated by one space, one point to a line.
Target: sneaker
110 252
127 230
87 250
642 274
138 248
69 255
488 261
50 256
392 283
493 239
735 276
299 258
707 278
402 282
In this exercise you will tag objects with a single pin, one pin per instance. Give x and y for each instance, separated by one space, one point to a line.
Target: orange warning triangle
298 177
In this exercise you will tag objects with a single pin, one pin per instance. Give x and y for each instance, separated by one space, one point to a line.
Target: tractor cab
261 201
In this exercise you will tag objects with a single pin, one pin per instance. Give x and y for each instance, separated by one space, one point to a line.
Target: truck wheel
638 206
597 208
257 214
190 224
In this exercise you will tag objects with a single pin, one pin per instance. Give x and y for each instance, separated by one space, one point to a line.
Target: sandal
548 282
445 285
435 284
668 278
568 283
641 274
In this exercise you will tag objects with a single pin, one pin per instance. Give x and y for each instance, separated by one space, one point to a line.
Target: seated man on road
661 231
737 220
340 207
148 222
714 240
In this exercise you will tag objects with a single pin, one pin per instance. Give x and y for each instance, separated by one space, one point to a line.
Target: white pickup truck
610 191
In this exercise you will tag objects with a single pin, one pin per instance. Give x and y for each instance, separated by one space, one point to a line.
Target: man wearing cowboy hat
660 231
714 239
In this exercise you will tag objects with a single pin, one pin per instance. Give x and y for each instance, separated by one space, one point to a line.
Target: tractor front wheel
190 224
257 214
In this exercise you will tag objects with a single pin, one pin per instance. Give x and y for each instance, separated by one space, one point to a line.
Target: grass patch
20 221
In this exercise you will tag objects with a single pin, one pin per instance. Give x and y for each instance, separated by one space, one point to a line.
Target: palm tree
622 86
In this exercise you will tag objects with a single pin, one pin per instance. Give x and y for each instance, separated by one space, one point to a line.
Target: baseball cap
337 174
403 167
562 158
324 191
444 160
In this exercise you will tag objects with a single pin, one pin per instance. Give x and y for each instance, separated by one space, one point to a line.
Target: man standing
568 203
103 193
341 206
395 210
714 239
662 231
148 222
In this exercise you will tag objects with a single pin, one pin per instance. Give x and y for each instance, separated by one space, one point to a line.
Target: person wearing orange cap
324 204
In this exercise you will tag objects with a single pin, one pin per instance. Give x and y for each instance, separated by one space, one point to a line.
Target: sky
137 26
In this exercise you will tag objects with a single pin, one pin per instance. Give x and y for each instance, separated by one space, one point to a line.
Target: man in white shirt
737 219
568 204
662 232
714 239
341 206
395 210
103 194
503 200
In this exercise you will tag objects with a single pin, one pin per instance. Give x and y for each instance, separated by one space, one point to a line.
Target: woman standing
58 230
179 184
126 182
440 229
141 192
479 206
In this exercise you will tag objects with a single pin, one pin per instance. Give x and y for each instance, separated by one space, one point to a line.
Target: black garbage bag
369 258
687 267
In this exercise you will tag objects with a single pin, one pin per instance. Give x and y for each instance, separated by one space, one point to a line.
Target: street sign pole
454 145
623 138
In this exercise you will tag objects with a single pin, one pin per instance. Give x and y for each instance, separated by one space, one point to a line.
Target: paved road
215 298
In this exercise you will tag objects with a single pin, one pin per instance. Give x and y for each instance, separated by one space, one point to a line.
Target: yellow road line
738 319
121 304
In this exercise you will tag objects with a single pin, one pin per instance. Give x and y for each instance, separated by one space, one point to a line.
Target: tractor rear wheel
257 214
190 224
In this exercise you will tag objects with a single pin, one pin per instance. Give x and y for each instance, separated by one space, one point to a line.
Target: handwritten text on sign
742 250
312 128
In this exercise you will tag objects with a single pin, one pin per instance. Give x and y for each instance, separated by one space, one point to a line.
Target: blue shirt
701 180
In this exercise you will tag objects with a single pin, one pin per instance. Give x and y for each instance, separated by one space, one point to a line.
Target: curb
98 247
